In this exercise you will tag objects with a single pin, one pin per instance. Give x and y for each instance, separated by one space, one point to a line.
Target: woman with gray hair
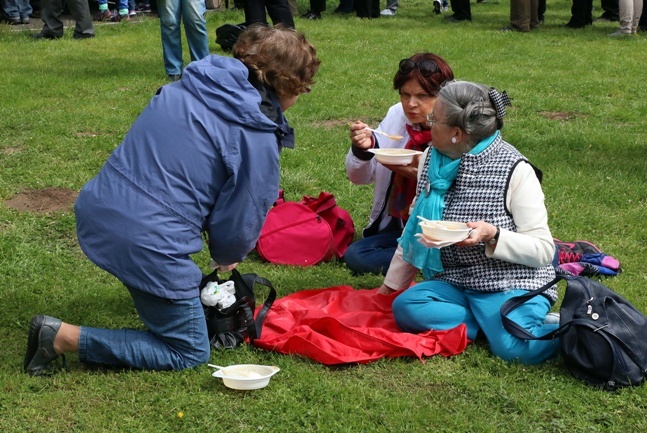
471 175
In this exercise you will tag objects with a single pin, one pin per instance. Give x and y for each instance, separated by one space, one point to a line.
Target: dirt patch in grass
44 200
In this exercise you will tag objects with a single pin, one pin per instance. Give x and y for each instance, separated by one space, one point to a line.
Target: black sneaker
45 35
83 35
143 8
438 4
310 15
13 21
40 345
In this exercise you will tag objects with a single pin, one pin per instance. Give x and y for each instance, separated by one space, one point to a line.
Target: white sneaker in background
438 6
620 33
387 13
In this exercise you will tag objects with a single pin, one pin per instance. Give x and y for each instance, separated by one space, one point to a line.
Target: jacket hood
222 83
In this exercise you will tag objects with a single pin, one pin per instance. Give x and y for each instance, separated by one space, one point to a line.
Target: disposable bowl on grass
444 230
394 156
246 376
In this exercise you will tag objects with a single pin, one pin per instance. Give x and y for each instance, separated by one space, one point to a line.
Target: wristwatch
495 239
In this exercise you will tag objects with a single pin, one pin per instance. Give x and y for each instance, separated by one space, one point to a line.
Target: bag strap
518 330
325 201
260 317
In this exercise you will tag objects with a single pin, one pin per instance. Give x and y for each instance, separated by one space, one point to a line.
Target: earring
454 140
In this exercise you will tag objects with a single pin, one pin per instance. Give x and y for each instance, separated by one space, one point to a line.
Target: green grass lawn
579 113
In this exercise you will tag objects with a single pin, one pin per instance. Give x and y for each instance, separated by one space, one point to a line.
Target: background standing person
418 81
191 13
524 15
470 175
15 12
278 10
120 14
202 157
630 12
316 8
462 11
51 11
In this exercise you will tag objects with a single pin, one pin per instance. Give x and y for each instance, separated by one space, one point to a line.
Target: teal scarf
442 172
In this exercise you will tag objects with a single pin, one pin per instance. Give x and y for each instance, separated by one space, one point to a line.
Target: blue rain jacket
201 157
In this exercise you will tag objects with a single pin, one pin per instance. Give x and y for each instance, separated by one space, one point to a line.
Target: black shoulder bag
230 327
603 338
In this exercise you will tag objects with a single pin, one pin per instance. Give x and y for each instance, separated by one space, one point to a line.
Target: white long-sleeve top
366 170
531 245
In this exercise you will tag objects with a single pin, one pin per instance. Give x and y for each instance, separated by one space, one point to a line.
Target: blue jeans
438 305
17 8
176 338
372 254
191 13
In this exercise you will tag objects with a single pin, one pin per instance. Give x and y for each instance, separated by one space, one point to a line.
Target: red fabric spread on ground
340 325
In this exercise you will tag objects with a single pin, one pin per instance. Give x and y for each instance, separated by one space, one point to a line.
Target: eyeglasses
426 68
431 121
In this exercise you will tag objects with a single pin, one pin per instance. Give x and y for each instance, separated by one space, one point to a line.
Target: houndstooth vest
479 193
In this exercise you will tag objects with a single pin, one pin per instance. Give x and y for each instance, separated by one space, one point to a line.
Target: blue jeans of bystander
176 338
191 13
17 8
372 254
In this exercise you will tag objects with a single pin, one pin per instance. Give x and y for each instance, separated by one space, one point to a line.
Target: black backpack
227 35
602 337
230 327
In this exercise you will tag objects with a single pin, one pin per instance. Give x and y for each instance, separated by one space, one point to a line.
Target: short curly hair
281 58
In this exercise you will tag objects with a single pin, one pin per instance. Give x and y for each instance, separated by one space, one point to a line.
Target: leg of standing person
461 9
541 11
636 11
581 14
630 11
372 254
9 12
279 12
122 11
294 10
345 7
51 11
391 8
486 308
534 14
520 15
25 11
255 12
170 13
611 10
195 28
80 10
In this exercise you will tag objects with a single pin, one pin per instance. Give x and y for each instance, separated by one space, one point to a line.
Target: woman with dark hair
418 81
471 175
201 160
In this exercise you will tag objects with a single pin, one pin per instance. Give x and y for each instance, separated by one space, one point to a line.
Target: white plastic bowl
394 156
450 231
246 376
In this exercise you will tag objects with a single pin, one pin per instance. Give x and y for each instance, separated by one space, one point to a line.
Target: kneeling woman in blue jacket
203 156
